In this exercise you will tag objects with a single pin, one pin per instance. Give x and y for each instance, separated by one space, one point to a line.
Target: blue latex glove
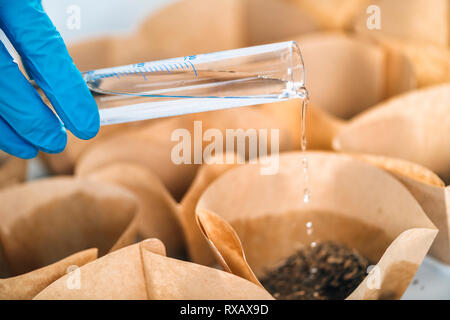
26 123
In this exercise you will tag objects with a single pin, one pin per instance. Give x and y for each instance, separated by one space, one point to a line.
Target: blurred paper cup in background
431 193
157 215
49 219
12 170
414 126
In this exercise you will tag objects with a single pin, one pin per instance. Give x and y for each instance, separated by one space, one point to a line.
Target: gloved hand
26 123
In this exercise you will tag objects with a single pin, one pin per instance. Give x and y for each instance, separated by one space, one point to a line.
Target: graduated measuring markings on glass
140 69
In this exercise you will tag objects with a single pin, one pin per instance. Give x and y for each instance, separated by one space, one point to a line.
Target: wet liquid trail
303 93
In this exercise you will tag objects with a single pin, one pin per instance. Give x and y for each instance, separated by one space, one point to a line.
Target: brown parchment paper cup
197 248
427 64
400 167
351 202
142 271
289 21
413 126
118 275
28 285
157 215
429 191
47 220
12 170
225 245
435 201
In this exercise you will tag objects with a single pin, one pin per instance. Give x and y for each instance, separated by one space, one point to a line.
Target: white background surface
103 17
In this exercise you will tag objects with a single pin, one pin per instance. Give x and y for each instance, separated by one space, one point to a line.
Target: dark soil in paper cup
326 271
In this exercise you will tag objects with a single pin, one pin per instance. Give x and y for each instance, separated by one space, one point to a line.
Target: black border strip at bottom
225 309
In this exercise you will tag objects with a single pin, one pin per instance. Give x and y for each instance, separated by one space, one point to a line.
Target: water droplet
306 196
309 229
303 93
305 162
